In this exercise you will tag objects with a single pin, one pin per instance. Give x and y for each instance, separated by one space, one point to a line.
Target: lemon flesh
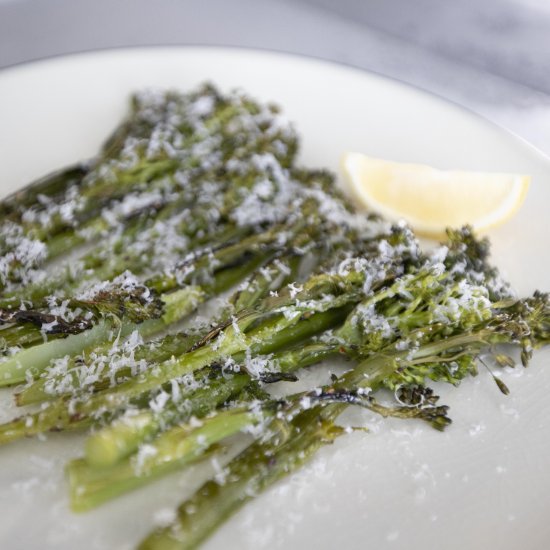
431 200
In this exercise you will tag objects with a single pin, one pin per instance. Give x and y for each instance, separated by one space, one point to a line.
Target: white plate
484 483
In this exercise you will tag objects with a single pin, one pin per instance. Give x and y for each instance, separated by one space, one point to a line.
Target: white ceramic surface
484 483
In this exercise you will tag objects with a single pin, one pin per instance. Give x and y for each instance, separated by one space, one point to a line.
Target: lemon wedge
429 199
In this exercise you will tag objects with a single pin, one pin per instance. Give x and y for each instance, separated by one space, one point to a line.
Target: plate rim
527 146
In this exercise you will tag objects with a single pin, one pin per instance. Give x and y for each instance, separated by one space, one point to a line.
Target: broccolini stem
268 337
172 450
114 442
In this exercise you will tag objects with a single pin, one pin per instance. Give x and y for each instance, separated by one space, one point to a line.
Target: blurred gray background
492 56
